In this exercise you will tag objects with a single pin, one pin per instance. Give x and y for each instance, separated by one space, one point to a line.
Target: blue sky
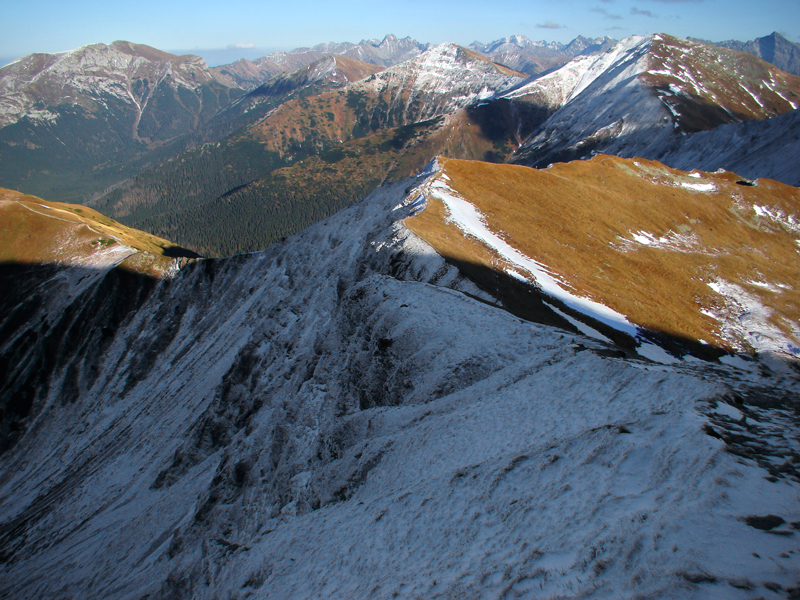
249 28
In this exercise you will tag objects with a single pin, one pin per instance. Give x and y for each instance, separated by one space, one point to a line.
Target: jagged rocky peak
773 48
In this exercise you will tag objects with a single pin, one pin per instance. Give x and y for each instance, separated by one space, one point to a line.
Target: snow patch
699 187
580 326
778 216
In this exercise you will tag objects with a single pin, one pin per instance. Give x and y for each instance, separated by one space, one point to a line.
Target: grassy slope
35 231
579 218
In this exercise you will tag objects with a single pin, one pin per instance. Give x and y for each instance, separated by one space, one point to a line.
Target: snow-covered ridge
329 418
127 72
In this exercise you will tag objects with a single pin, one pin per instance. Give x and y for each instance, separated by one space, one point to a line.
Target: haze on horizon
249 29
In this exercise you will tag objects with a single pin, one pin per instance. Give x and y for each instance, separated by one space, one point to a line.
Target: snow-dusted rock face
332 418
439 81
520 53
641 96
90 76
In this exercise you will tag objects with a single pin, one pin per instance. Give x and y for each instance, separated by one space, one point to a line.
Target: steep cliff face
345 415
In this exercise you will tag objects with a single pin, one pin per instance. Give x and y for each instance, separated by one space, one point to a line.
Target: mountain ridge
81 119
395 111
250 412
662 88
774 48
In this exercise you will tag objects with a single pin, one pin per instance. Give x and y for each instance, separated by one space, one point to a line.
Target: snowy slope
440 81
331 418
767 148
642 95
132 74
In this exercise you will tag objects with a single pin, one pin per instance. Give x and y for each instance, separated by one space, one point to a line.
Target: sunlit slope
35 231
704 86
646 95
699 256
315 154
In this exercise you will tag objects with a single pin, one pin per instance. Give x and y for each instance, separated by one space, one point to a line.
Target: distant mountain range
773 48
385 53
166 144
416 372
533 58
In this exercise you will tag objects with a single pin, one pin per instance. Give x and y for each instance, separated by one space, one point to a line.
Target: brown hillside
35 231
354 69
646 240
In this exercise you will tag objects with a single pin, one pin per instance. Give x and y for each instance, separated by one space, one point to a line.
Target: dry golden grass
36 231
578 219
